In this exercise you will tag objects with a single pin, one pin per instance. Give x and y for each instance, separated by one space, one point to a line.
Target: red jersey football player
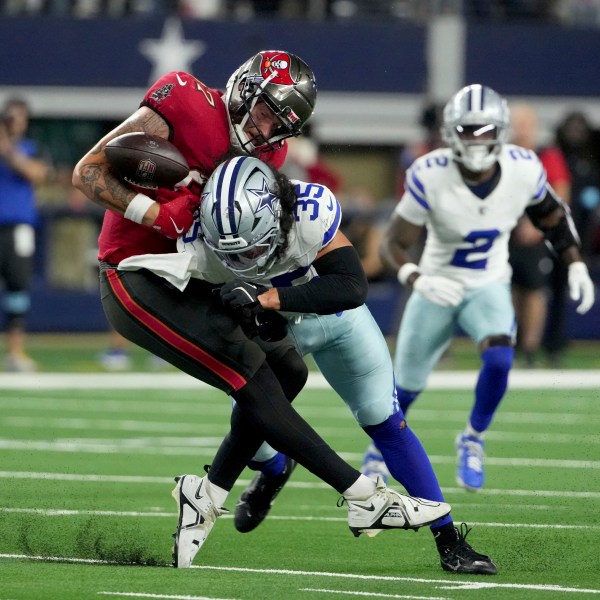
267 99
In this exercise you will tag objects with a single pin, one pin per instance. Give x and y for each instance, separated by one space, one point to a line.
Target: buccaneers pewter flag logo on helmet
281 80
277 66
239 216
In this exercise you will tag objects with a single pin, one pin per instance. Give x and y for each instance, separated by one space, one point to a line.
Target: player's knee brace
292 373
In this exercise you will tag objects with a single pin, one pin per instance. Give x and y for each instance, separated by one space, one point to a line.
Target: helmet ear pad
284 82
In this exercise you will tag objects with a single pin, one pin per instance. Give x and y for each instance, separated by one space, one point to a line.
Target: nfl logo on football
145 170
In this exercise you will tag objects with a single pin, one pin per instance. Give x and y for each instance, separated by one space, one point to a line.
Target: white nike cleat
388 509
197 515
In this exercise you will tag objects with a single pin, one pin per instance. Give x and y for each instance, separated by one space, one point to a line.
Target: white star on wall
172 52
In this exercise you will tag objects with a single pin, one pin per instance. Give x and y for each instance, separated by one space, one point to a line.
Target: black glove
240 297
270 325
237 295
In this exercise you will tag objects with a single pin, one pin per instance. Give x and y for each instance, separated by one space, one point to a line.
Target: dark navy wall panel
378 57
372 57
542 60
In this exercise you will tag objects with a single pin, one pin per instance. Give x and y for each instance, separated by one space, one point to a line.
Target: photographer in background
20 172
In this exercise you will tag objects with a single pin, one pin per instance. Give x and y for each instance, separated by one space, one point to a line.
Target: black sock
445 537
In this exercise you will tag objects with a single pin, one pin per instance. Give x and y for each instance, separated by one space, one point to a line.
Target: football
145 160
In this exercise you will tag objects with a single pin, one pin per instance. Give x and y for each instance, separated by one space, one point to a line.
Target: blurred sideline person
267 99
534 271
431 122
362 224
304 162
307 269
469 197
580 144
21 170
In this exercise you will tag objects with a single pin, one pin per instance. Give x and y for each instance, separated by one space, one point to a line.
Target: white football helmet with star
239 216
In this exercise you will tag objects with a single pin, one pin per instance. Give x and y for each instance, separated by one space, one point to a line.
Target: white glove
440 290
581 287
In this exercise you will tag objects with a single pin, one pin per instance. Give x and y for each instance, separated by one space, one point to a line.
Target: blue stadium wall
537 60
45 55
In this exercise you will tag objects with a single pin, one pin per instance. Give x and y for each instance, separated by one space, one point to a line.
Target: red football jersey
198 125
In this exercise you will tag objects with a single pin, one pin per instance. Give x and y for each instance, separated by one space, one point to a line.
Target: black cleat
461 558
257 499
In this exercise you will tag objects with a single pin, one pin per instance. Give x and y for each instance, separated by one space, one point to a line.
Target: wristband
406 270
138 207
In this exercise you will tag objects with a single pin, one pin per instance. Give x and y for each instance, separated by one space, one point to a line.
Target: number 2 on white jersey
481 242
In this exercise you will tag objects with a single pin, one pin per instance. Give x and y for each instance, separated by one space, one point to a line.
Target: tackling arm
341 285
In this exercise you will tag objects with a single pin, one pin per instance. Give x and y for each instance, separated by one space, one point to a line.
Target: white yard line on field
372 594
519 379
149 447
340 412
109 425
119 404
55 512
442 584
306 485
161 596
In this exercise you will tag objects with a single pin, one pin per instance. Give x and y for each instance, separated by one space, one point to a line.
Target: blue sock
405 398
406 459
491 385
273 467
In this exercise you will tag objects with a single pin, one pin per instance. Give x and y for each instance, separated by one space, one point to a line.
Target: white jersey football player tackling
248 236
469 197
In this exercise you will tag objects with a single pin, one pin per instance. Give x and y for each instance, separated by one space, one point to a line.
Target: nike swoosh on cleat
181 81
177 229
197 494
369 508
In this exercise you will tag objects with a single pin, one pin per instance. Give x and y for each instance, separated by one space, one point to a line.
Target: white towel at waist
176 268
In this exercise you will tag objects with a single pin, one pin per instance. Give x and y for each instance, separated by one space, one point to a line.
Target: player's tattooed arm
92 174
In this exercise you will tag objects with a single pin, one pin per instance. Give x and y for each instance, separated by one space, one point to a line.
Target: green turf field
86 511
78 353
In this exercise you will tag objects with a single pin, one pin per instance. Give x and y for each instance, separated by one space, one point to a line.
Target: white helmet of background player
284 82
240 216
475 111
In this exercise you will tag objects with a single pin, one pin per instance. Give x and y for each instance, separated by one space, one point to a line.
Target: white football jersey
467 236
318 217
